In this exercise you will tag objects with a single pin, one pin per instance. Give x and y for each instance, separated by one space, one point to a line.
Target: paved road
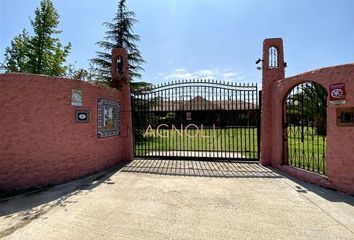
180 200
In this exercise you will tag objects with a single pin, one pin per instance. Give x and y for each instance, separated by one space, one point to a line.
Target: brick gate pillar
273 69
120 75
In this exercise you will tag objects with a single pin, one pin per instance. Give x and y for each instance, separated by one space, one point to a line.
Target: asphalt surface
180 200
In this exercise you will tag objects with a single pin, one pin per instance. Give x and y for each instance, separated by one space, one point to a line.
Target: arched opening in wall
273 57
305 127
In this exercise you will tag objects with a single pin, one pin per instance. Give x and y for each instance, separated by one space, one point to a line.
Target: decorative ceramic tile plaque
76 97
108 118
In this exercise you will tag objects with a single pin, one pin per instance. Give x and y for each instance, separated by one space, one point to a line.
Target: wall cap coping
44 77
318 71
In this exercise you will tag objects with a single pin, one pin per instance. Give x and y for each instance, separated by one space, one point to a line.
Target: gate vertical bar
259 123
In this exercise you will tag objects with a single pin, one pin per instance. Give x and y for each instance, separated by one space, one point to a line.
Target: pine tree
41 53
120 34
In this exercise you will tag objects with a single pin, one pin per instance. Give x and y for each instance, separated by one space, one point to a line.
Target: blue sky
218 39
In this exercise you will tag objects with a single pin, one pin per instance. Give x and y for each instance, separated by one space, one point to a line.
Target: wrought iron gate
197 119
304 127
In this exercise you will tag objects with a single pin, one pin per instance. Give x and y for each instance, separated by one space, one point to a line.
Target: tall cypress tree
119 34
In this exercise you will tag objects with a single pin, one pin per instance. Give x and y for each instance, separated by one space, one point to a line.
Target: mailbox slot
345 117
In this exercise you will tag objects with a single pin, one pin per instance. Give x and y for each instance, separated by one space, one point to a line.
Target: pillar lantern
120 71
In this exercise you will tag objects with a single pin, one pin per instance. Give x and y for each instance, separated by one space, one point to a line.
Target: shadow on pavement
219 169
326 193
31 204
225 169
27 202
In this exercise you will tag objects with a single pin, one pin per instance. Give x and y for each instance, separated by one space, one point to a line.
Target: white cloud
206 73
176 74
240 78
217 74
229 74
180 70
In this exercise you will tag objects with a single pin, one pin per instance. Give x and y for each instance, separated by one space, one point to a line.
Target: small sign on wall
82 116
337 93
76 97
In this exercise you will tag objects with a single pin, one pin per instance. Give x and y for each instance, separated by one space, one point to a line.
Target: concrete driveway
158 199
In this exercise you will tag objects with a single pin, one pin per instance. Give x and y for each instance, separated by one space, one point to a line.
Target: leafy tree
42 53
311 100
16 56
140 86
119 34
81 73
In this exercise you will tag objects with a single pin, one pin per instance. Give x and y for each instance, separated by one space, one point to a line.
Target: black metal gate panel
202 119
305 127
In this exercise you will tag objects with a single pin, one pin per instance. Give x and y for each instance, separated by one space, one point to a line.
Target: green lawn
307 153
240 140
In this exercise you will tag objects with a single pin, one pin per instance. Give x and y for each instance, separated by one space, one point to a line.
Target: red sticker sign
337 92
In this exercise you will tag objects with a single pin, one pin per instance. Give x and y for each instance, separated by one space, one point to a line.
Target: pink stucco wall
40 143
268 77
340 140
